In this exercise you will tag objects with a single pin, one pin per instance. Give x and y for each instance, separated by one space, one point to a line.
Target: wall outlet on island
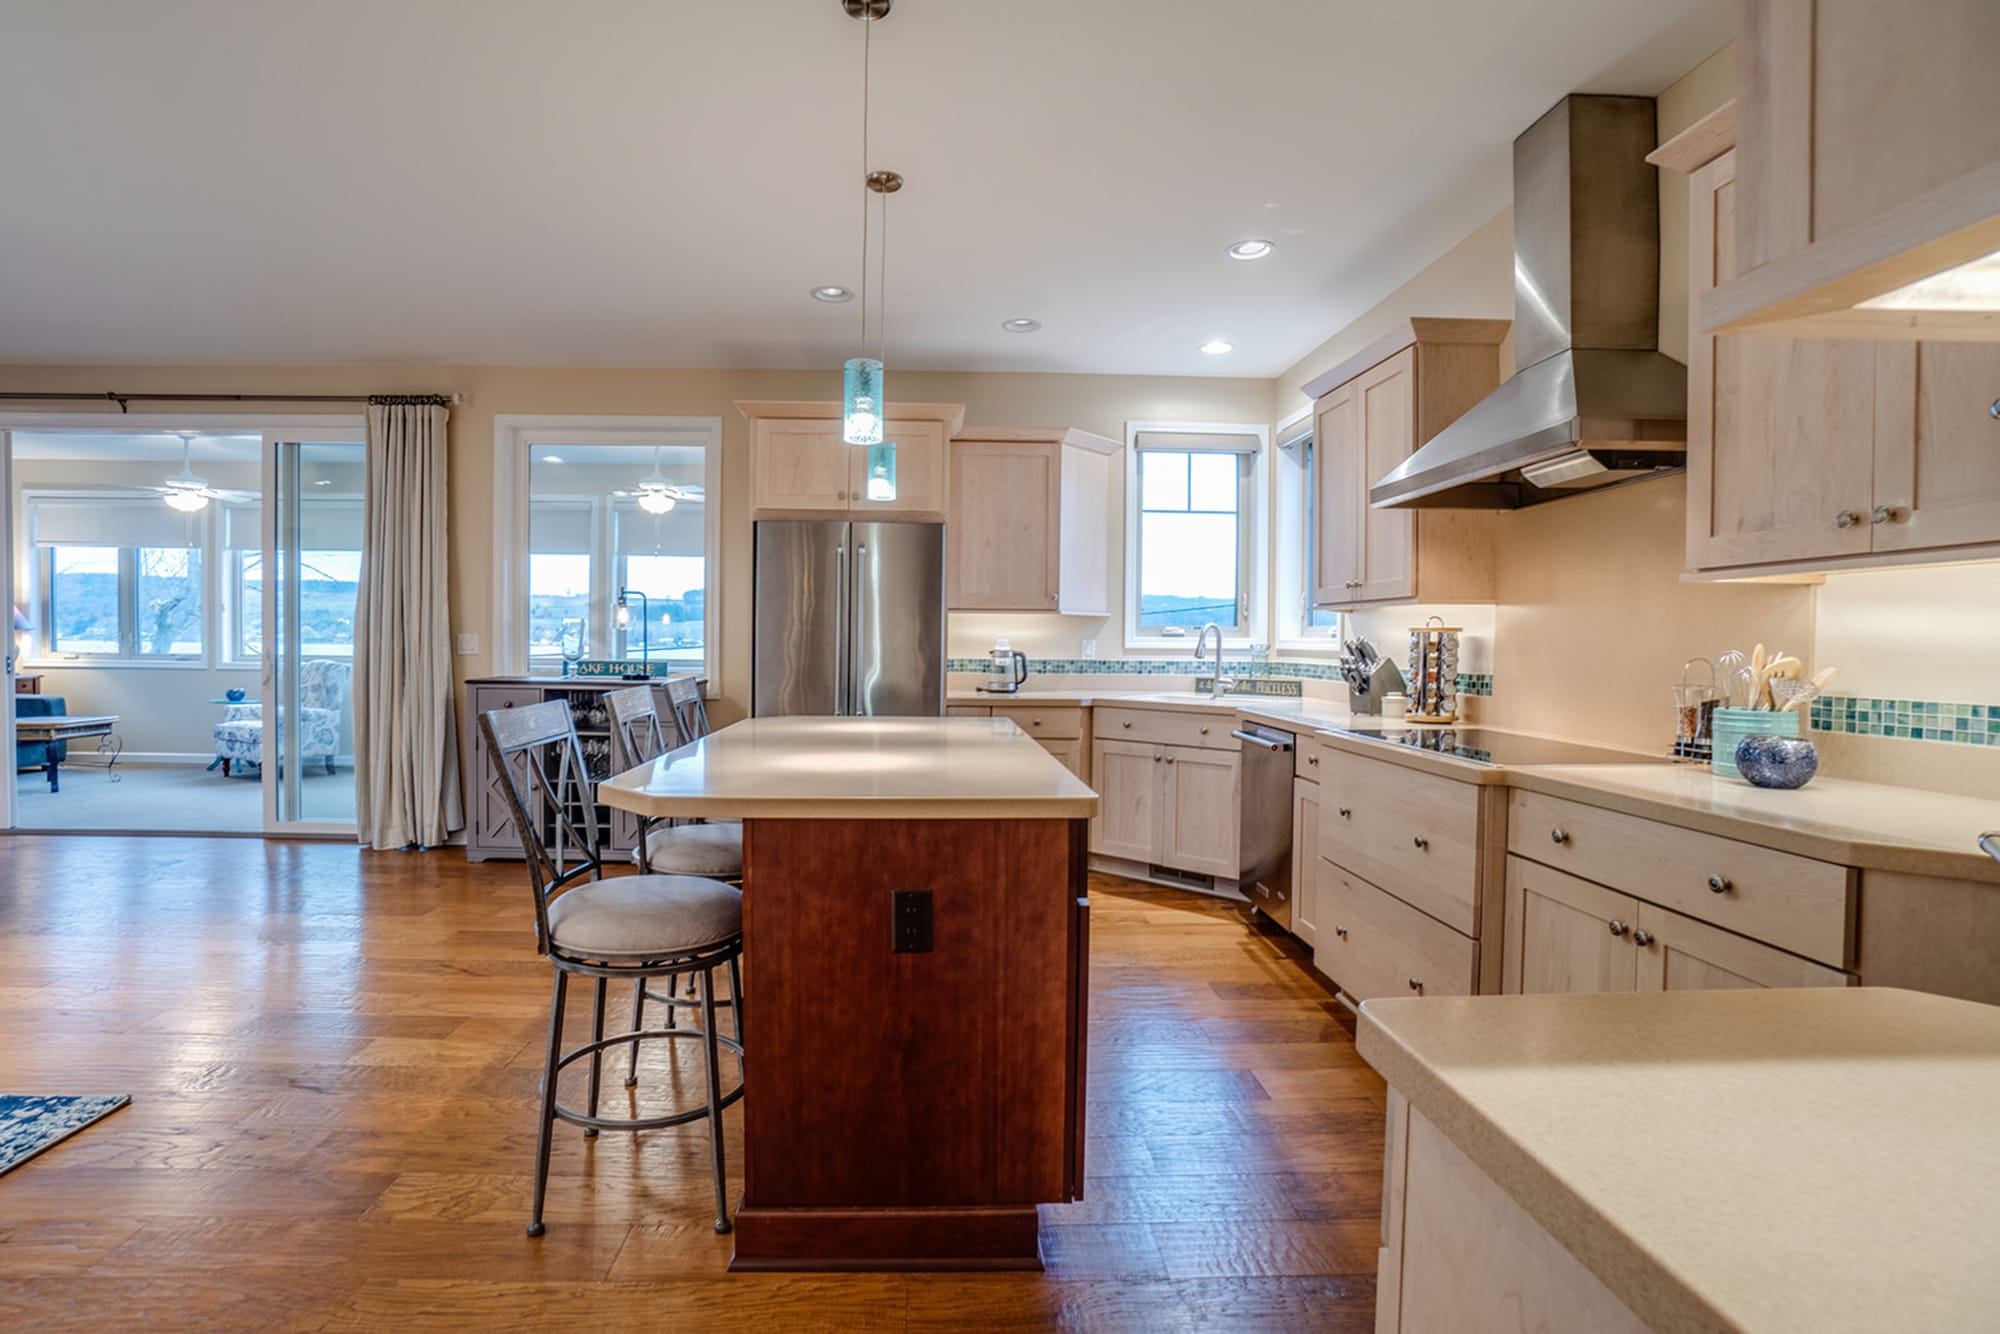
1090 648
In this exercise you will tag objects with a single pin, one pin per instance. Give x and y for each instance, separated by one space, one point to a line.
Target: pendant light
862 400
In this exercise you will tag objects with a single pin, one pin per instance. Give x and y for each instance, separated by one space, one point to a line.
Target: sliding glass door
305 578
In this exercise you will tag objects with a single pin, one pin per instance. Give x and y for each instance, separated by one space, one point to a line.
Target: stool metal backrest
636 735
538 765
685 703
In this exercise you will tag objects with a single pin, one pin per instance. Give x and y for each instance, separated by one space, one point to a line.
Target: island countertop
1815 1159
856 768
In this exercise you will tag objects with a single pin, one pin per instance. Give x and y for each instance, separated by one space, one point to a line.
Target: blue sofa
35 754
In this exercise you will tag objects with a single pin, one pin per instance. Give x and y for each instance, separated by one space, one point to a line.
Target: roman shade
332 524
1214 442
115 521
559 527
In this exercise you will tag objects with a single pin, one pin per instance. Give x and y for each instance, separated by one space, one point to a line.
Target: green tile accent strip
1909 719
1278 669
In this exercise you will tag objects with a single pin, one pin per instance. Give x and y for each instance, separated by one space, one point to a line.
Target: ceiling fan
188 493
657 495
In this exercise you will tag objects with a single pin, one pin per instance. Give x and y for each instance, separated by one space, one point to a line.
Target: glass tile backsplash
1912 719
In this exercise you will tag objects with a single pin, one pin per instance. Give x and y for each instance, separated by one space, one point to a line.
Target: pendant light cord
867 33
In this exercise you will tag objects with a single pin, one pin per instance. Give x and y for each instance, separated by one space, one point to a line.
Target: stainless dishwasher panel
1264 821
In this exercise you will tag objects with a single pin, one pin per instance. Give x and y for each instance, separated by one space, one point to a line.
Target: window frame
1252 538
515 438
1297 509
42 653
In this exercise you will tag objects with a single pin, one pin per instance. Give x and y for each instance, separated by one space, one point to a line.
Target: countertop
1819 1159
856 768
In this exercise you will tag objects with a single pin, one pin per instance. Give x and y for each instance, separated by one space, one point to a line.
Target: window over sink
1194 528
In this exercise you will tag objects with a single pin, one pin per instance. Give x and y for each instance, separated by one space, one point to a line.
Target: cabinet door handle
1618 928
1417 986
1422 844
1642 938
1344 812
1719 884
1558 835
1847 518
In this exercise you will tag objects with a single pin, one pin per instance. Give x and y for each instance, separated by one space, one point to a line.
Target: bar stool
640 927
669 847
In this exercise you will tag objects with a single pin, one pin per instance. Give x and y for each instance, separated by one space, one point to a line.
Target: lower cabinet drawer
1057 724
1373 944
1796 903
1414 834
1168 726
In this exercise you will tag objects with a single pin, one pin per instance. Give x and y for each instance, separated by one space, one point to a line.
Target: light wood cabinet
1371 412
1870 141
1373 944
1809 454
1029 522
1166 805
1568 935
1305 862
801 468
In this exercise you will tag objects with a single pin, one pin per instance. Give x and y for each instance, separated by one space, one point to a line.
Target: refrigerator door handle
861 577
840 635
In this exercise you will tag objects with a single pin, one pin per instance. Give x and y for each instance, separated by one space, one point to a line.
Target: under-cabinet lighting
1973 285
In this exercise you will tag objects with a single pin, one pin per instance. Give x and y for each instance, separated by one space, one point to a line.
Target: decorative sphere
234 694
1777 761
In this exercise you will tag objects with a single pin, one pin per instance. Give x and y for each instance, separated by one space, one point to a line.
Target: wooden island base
908 1110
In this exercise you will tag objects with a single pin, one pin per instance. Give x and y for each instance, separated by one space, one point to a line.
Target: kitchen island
1817 1159
916 960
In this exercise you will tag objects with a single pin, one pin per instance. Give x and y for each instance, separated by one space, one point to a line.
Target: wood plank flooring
333 1059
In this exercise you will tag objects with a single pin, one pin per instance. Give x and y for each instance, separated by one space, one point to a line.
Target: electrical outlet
911 912
1090 648
468 645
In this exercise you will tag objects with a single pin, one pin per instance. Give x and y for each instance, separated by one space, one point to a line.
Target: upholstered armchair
239 737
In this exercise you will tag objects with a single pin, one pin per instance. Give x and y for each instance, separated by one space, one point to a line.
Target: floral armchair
239 737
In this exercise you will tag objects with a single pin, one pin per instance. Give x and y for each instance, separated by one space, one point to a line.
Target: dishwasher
1264 820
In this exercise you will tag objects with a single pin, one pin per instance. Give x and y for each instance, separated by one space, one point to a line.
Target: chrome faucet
1201 641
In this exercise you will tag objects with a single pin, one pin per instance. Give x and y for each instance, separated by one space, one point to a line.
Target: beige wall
1101 404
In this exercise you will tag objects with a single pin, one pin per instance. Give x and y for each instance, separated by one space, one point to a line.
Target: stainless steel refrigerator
849 619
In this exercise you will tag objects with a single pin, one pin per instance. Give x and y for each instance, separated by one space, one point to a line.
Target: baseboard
1223 889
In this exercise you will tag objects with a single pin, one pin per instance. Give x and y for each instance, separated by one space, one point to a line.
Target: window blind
559 527
114 521
324 525
1213 442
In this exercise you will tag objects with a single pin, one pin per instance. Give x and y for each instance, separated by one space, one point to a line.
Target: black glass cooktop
1481 745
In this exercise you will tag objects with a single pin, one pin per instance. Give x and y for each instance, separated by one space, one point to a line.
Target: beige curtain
405 729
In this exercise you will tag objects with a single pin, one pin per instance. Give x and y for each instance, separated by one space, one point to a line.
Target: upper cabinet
1868 177
800 467
1808 454
1028 527
1370 413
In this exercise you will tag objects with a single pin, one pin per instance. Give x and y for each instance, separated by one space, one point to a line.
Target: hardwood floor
333 1059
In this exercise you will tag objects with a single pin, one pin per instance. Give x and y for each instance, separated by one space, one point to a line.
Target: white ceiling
659 182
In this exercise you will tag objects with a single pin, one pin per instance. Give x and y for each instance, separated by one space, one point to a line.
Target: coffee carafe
1008 669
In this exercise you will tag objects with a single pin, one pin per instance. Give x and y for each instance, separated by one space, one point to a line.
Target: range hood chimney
1595 403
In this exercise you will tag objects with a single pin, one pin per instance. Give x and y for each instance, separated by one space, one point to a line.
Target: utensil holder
1732 725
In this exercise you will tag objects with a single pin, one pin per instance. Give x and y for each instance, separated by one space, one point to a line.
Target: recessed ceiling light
832 293
552 458
1251 249
324 481
1215 347
1022 325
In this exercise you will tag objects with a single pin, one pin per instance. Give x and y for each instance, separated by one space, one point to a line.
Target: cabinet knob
1340 931
1719 884
1034 722
1558 835
1312 761
1344 812
1158 758
1847 518
1422 844
1642 938
842 495
1416 985
1618 928
1170 759
1882 514
1204 731
1126 723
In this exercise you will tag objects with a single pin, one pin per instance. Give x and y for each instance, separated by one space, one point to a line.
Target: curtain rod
122 400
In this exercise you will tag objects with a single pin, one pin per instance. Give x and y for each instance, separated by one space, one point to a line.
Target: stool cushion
645 916
695 849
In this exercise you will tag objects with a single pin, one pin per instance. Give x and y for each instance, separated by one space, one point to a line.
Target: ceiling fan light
187 502
655 500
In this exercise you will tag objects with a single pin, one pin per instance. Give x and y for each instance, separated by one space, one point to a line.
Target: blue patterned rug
30 1123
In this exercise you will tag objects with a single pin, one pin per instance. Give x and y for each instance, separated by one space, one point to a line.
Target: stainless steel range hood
1595 402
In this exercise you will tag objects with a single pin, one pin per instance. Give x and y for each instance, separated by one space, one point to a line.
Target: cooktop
1480 745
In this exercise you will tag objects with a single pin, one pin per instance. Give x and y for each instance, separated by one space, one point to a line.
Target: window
660 555
1313 618
558 600
329 577
1194 523
121 577
1299 624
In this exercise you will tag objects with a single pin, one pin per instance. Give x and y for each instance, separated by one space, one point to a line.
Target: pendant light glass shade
862 406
